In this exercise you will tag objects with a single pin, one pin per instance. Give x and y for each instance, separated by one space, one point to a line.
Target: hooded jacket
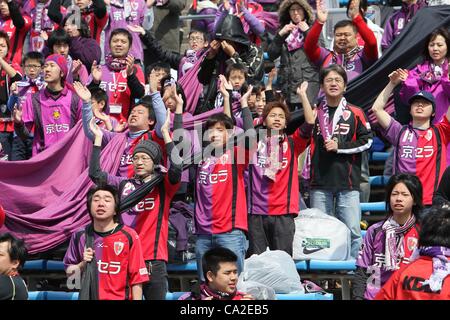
294 65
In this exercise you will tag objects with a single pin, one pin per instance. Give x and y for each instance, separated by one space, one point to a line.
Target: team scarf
441 265
295 39
394 241
219 295
27 82
115 64
188 61
434 73
327 126
275 155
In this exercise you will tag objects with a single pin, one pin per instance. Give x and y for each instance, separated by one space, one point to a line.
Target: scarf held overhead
54 185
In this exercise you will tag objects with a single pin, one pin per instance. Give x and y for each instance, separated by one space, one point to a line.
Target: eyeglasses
33 66
198 39
337 80
143 159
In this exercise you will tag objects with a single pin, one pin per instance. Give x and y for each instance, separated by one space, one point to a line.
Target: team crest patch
346 114
429 135
118 247
56 114
224 159
412 243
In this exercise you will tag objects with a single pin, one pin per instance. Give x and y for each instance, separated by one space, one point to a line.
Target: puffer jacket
294 65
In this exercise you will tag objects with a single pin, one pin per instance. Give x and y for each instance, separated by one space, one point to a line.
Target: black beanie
151 148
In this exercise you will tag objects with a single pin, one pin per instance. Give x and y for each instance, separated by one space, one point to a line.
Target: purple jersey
372 256
58 114
132 13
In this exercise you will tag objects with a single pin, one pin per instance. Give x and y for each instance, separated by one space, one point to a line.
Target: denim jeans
346 209
234 240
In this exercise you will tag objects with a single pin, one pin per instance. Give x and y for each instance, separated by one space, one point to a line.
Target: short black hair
332 67
435 229
213 257
85 32
100 95
58 36
414 186
437 32
121 31
204 34
17 249
343 24
236 67
159 65
221 118
33 55
146 101
109 188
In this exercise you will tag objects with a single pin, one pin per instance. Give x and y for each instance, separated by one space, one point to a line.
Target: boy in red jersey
109 252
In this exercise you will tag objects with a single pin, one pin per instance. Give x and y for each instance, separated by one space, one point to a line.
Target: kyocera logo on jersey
118 247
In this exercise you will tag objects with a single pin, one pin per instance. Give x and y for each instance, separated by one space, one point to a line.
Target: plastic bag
258 290
275 269
321 237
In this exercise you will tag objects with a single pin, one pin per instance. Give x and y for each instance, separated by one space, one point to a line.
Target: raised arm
370 42
310 116
396 77
312 49
158 104
176 163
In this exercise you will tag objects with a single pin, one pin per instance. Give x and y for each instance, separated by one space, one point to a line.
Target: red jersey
120 263
150 217
115 85
278 196
406 283
16 37
96 25
221 204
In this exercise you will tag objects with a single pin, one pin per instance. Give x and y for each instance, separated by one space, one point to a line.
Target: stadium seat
373 206
35 265
301 265
320 265
379 156
378 181
53 265
191 266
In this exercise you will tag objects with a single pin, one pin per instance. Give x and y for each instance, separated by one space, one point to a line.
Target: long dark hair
85 32
413 185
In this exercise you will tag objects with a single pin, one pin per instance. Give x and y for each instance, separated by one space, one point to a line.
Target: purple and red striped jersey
280 196
420 152
220 193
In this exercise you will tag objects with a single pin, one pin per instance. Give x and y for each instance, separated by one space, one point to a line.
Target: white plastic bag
275 269
258 290
321 237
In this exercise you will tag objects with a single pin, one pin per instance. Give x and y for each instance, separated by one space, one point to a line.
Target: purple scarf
394 241
441 265
206 291
327 126
295 40
115 64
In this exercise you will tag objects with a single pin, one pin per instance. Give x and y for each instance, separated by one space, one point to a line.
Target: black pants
21 150
275 232
6 139
157 287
